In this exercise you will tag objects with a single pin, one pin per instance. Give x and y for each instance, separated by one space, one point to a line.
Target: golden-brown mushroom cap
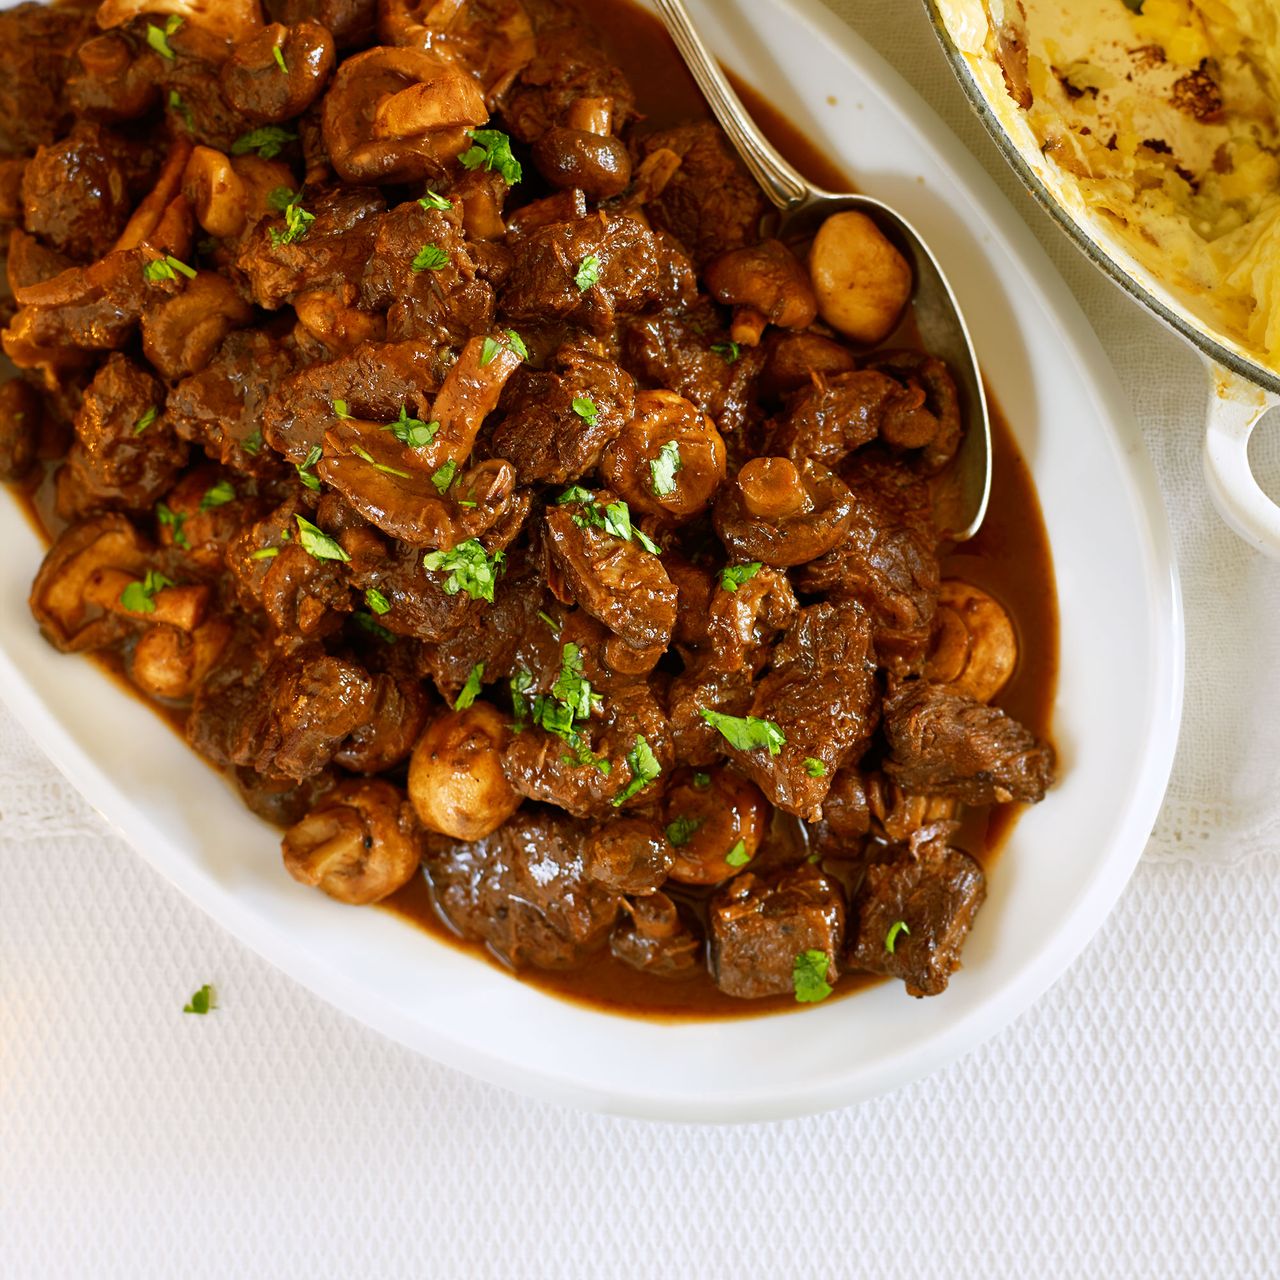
974 647
359 844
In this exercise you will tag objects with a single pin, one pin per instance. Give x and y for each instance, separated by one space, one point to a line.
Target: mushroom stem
772 488
591 115
748 326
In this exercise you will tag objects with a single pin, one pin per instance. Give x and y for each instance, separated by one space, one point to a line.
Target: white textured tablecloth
1128 1125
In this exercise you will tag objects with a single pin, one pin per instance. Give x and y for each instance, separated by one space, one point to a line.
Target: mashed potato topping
1168 118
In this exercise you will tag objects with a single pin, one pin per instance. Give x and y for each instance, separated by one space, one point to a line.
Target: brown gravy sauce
1010 558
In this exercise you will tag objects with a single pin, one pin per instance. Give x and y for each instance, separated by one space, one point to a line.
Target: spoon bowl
803 208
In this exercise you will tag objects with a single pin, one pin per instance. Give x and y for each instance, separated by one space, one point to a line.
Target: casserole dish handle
1235 409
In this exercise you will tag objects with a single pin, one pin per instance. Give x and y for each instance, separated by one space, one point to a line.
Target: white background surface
1129 1124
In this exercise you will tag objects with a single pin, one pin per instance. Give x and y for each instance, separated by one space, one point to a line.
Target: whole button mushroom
278 72
358 844
765 284
456 782
715 823
599 165
974 647
862 282
668 460
783 513
398 115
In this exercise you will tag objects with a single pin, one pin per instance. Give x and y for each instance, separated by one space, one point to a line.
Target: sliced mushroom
181 333
68 619
783 513
398 115
456 781
358 844
216 192
229 19
974 647
862 282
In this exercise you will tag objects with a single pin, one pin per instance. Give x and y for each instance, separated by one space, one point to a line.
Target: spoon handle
779 181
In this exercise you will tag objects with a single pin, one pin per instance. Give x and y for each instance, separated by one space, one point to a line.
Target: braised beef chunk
589 270
821 692
334 250
76 193
36 43
125 452
912 914
307 706
711 204
221 407
443 433
761 925
887 562
523 891
945 743
558 423
689 352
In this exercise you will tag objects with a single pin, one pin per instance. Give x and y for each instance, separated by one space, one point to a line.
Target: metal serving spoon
804 208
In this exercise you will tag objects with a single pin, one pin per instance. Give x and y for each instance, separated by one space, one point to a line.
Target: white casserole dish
1116 717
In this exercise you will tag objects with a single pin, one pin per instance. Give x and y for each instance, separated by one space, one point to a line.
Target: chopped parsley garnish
680 831
727 351
738 855
510 338
340 408
735 575
180 108
377 602
201 1002
746 733
316 543
218 495
891 938
168 518
431 257
387 470
471 689
520 684
433 201
166 268
140 597
146 420
268 140
552 625
411 431
644 768
304 469
470 569
281 198
367 622
492 150
587 275
809 977
157 37
702 781
253 444
297 222
663 469
572 689
814 768
278 54
442 476
586 409
264 553
614 519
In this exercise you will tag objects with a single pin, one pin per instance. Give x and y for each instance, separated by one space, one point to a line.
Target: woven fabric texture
1129 1124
